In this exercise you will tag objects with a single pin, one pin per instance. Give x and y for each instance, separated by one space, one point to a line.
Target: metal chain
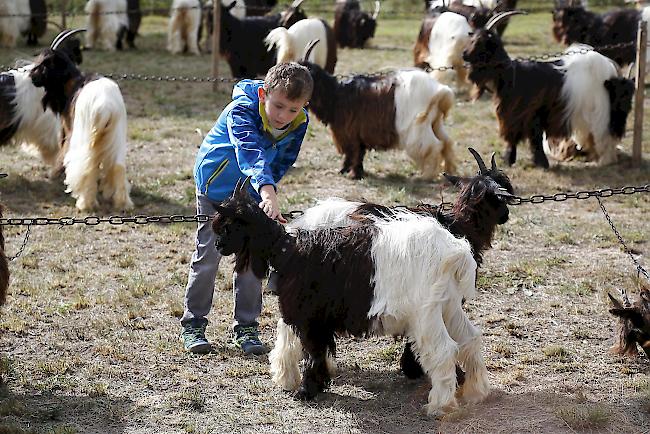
561 197
22 246
639 268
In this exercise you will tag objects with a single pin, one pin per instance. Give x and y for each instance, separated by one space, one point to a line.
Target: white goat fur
476 3
12 27
38 130
97 147
184 27
422 274
421 104
449 36
291 43
588 107
102 27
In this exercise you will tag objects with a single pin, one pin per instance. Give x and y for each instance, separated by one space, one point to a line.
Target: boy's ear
261 94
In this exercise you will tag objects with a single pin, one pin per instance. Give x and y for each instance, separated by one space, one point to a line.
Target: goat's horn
494 161
376 12
481 164
629 71
310 47
54 46
296 3
500 17
59 36
245 184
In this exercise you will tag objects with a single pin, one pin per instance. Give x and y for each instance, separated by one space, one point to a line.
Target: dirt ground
89 338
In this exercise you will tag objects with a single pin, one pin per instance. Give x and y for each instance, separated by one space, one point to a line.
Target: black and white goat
94 127
22 118
26 17
403 109
562 98
290 44
352 26
481 206
572 23
184 23
242 40
290 15
402 274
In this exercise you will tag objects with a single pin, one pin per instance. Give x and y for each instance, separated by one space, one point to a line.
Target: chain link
23 245
639 269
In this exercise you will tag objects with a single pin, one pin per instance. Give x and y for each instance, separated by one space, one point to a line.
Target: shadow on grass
396 404
24 197
34 412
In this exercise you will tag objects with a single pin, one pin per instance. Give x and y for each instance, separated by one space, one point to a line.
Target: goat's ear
629 313
617 304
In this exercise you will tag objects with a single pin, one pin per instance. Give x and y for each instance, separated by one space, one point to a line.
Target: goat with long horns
94 123
565 98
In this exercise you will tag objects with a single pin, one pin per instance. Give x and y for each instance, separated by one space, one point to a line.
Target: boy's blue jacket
240 145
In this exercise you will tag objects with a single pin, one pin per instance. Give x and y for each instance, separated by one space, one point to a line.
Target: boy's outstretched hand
269 203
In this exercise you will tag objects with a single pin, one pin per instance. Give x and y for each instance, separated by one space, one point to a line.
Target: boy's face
279 109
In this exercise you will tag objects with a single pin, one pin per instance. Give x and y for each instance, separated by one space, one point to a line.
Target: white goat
291 43
12 26
587 101
184 25
104 21
449 36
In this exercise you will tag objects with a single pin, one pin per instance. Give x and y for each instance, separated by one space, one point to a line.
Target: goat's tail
283 43
4 267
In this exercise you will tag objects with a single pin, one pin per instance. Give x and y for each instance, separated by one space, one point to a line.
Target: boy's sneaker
193 336
247 339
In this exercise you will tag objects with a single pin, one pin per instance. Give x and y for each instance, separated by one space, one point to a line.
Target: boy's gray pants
247 288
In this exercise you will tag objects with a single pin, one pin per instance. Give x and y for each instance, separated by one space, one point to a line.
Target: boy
258 134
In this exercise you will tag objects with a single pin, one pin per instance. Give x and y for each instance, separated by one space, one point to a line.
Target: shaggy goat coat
404 275
404 109
183 33
104 21
24 121
449 35
291 43
97 146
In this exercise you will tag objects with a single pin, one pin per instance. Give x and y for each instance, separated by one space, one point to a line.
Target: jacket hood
246 91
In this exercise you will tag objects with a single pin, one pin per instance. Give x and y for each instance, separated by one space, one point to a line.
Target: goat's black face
483 48
366 26
232 235
52 68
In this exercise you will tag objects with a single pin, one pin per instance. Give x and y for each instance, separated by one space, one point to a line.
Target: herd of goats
399 271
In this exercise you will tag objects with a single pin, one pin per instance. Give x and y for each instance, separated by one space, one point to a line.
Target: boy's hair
292 79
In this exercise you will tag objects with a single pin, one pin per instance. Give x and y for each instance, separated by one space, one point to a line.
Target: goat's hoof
303 394
354 174
344 170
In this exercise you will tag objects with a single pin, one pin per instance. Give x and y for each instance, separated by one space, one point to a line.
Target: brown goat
633 325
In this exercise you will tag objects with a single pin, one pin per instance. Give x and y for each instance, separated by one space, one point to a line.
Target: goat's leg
357 171
447 145
117 187
437 353
346 164
315 377
510 154
537 145
476 386
412 369
285 357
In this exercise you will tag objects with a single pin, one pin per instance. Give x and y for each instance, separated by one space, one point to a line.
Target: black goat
241 41
352 26
574 23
